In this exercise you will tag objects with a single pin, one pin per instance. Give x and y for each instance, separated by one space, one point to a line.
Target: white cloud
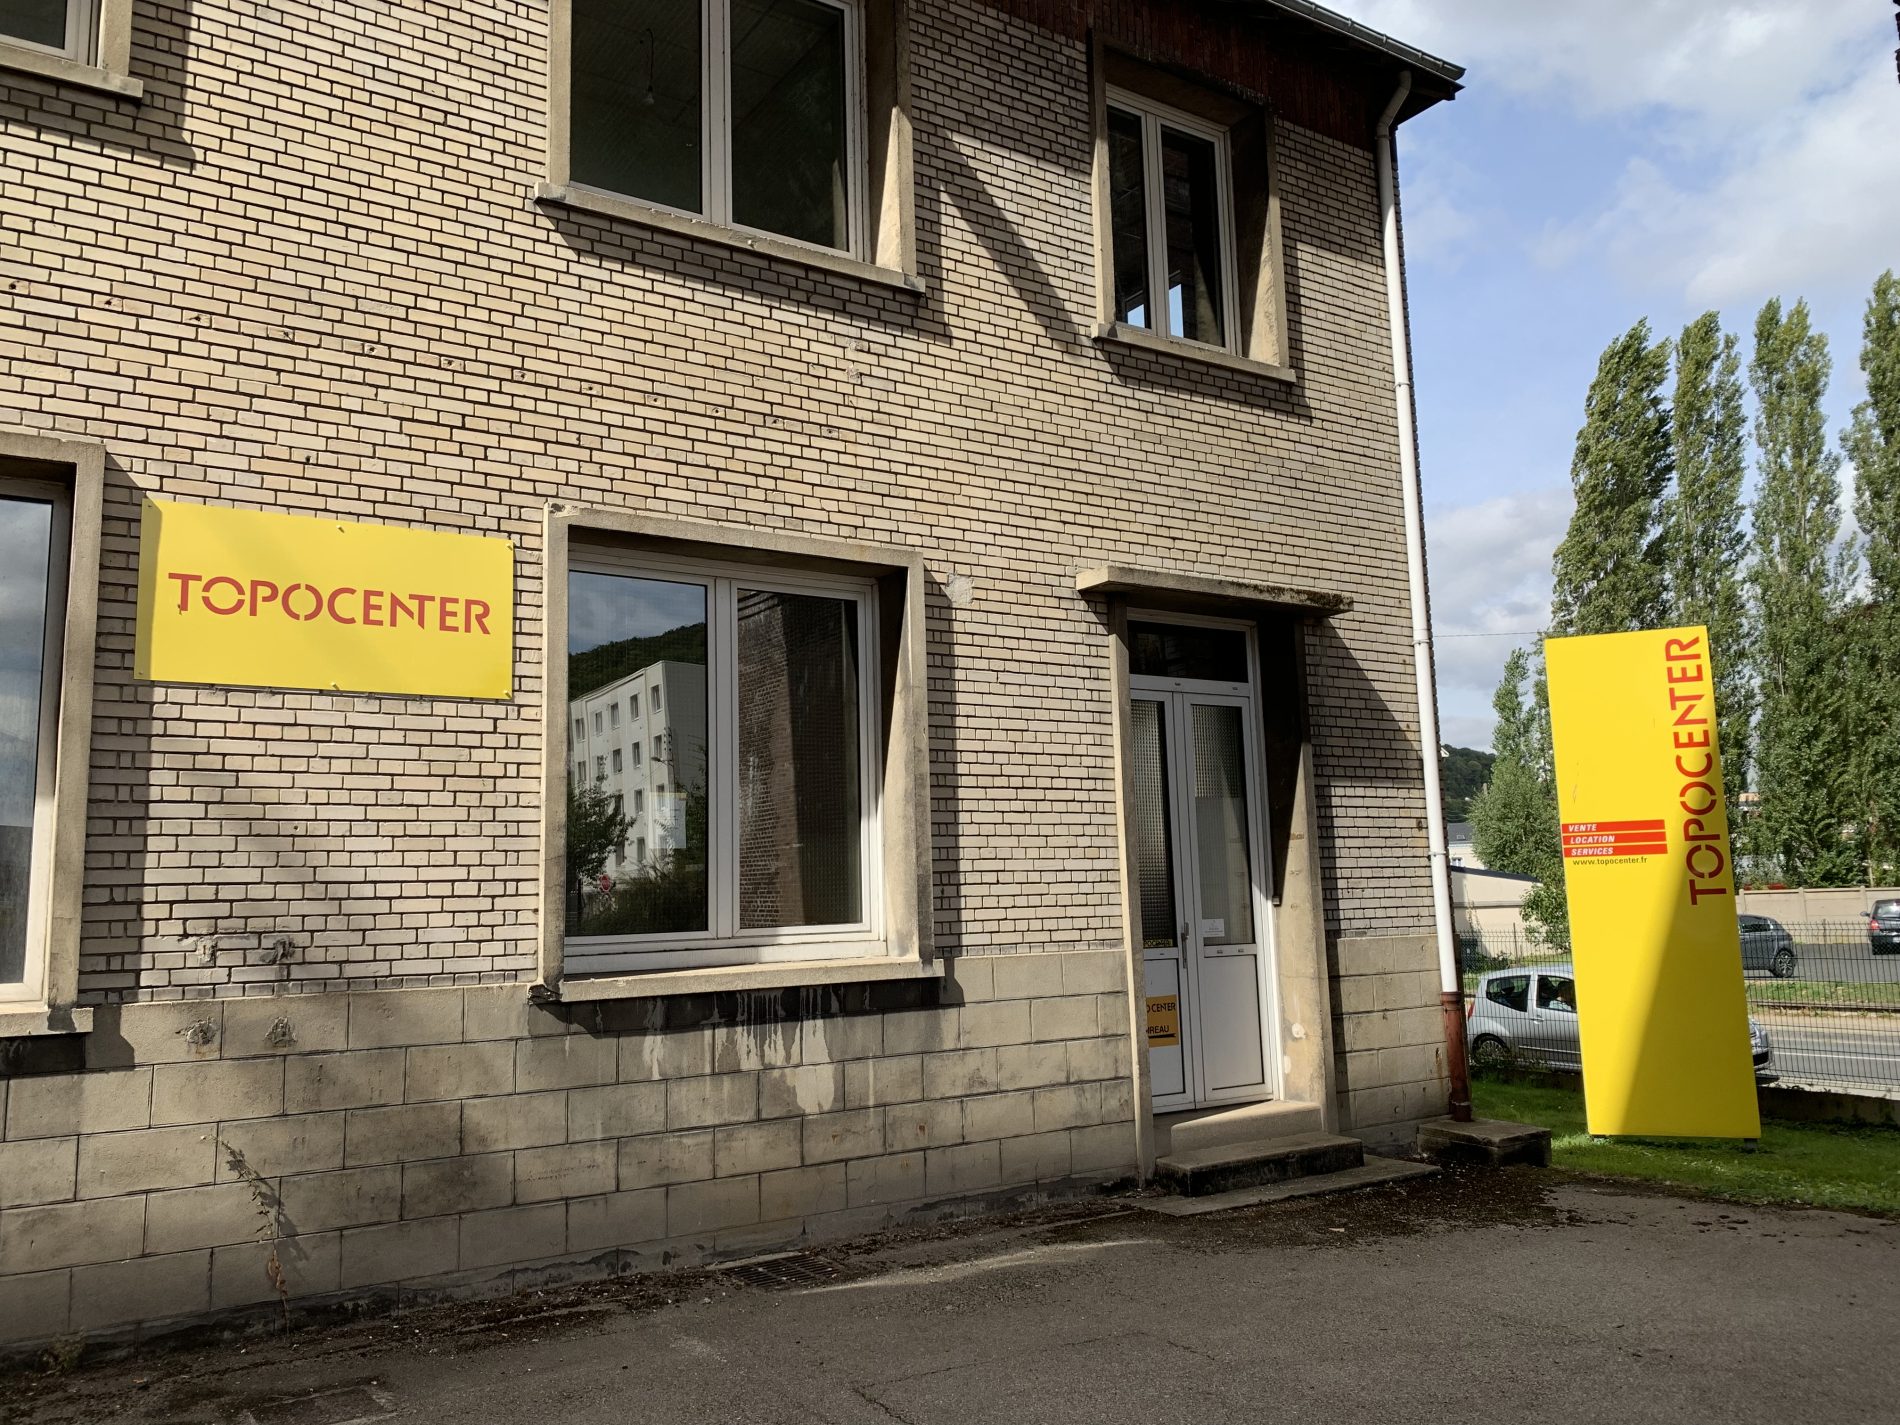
1759 133
1717 63
1490 568
1801 209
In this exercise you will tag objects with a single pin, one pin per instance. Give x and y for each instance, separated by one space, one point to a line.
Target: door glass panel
634 117
1191 196
801 796
637 865
1153 835
1128 217
1167 650
1220 826
788 119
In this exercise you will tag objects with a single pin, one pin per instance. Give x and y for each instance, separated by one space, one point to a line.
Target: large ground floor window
725 795
35 520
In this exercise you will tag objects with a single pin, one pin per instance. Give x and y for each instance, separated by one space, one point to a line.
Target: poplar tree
1514 819
1609 568
1799 583
1872 442
1705 543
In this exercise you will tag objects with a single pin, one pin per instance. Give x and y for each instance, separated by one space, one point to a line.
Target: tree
1704 541
1514 819
1609 568
1872 442
1463 773
1799 582
596 829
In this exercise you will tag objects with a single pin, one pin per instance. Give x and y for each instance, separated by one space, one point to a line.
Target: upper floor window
633 705
60 27
1171 222
613 714
748 113
1187 220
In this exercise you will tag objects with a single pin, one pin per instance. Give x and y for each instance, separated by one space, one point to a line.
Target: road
1848 1050
1844 956
1473 1297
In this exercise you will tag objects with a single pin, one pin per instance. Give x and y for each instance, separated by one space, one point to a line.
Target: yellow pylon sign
1662 1009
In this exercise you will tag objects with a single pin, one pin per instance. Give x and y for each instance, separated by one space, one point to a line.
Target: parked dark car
1767 946
1883 928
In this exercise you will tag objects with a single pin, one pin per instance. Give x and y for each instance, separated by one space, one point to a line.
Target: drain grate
784 1271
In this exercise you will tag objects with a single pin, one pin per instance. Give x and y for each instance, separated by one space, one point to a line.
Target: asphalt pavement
1517 1295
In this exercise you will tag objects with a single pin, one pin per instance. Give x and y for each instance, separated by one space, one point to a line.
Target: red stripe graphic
1571 826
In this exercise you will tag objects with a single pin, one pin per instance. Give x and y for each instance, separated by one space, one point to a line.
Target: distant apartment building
935 463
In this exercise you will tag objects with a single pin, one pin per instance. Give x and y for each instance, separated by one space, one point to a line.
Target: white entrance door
1205 913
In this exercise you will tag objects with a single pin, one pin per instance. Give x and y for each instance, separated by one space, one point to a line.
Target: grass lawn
1813 1164
1763 994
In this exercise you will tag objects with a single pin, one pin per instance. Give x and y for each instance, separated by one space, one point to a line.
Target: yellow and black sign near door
1164 1021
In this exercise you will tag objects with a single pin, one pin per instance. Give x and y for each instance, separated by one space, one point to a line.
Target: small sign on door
1164 1021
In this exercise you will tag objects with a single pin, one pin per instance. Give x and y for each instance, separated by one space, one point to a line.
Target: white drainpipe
1451 991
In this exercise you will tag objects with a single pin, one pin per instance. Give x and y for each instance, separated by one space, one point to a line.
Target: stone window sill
720 979
27 1021
615 205
1121 334
71 72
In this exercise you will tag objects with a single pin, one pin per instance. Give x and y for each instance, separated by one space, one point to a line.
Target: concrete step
1199 1172
1374 1172
1243 1123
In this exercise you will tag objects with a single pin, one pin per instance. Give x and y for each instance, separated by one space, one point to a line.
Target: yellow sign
286 601
1164 1021
1663 1015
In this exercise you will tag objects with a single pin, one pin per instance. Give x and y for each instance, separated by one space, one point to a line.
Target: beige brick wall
418 1141
307 274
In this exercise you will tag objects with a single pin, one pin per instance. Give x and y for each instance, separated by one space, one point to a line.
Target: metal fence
1826 995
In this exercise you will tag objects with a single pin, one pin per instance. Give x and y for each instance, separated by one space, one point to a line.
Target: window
746 112
59 27
770 829
598 729
616 759
83 42
613 715
580 774
1511 991
639 801
653 697
1557 993
1170 221
49 543
31 531
640 850
600 767
635 752
580 729
633 705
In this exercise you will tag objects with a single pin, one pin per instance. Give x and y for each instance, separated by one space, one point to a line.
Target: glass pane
1153 831
789 161
1220 826
634 114
639 872
1166 650
1191 198
39 22
801 799
26 533
1128 218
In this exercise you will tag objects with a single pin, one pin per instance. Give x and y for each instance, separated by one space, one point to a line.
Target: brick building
986 407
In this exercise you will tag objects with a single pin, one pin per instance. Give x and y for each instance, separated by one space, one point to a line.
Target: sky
1608 161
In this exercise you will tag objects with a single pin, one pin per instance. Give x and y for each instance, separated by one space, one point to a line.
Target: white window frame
724 942
31 990
1154 117
715 131
82 34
